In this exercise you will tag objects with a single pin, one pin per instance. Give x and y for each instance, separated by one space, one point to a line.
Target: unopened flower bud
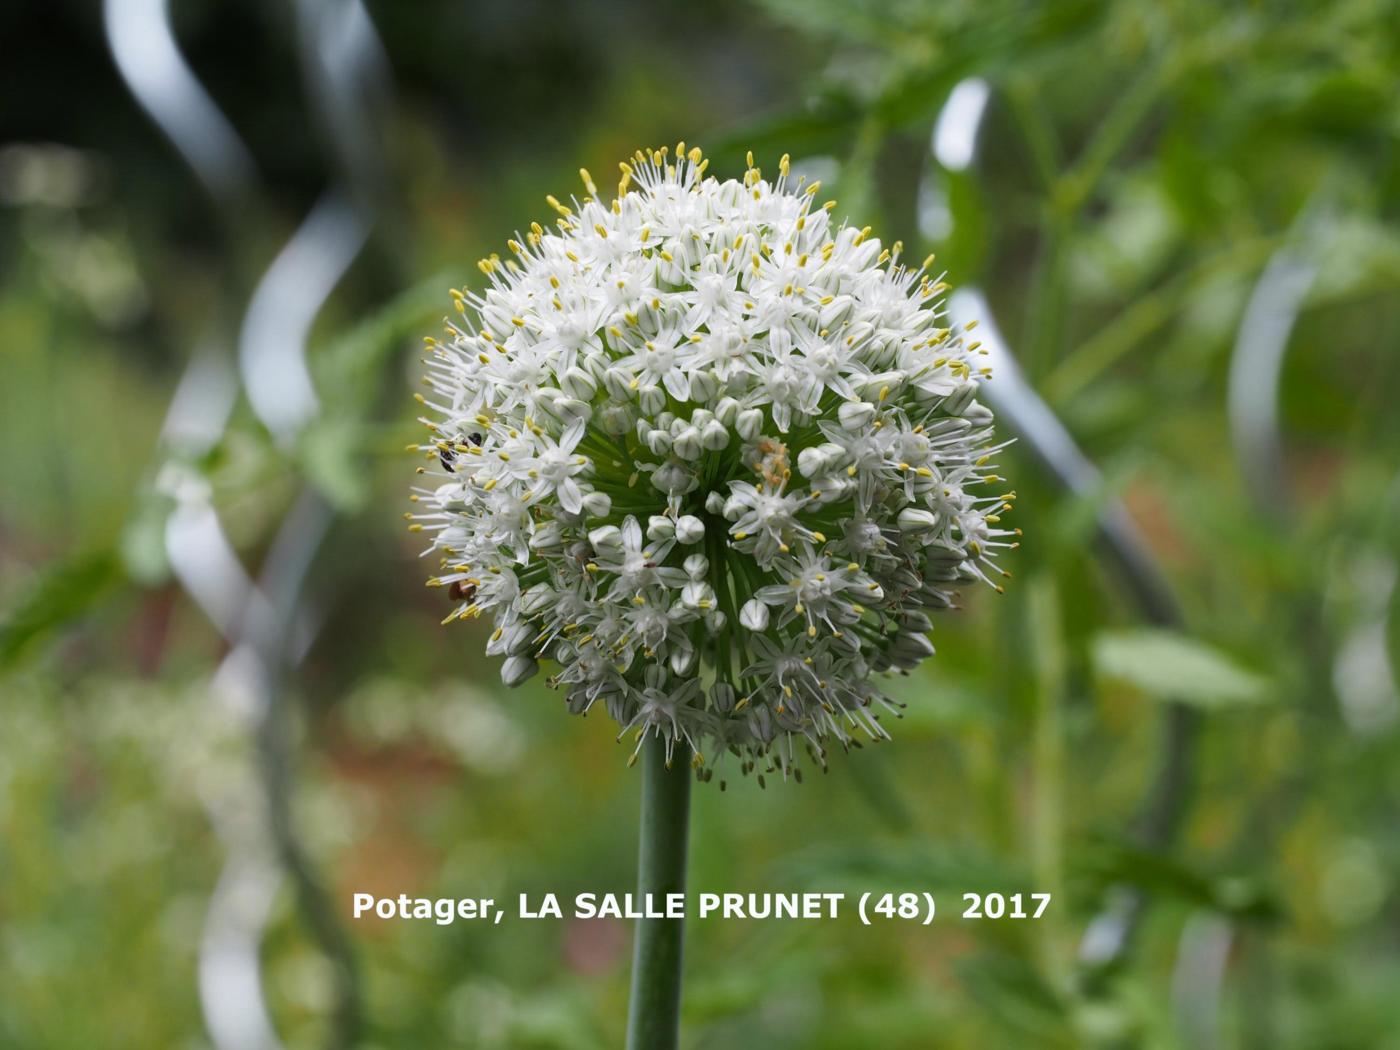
606 538
811 461
658 442
615 419
652 399
749 423
754 615
618 384
579 384
715 436
689 529
855 415
661 528
687 444
518 669
597 504
912 519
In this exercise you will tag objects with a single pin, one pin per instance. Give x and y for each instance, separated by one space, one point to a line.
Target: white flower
554 467
765 519
712 456
819 591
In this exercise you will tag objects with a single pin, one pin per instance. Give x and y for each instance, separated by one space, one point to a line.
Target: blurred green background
1145 172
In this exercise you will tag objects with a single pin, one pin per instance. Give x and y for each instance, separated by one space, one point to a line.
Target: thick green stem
653 1022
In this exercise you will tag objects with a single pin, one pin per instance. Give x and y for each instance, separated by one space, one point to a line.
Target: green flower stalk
717 459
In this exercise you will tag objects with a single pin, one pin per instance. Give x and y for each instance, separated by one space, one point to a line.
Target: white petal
570 496
677 384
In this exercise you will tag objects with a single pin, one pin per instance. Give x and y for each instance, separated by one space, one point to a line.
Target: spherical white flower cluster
713 456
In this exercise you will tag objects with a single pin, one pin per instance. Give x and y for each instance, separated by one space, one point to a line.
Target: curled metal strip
1051 444
348 76
204 562
1256 371
1199 976
1109 934
262 850
342 62
954 142
203 401
265 622
230 970
346 72
229 974
149 59
272 343
277 633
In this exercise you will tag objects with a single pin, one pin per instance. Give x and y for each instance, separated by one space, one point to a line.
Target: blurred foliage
1139 165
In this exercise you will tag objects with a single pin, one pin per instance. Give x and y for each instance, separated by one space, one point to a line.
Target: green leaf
349 373
901 865
348 369
332 454
1242 896
1171 666
58 595
824 126
1012 993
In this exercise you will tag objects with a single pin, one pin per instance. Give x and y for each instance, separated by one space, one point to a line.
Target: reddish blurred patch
1314 474
389 859
593 946
1152 514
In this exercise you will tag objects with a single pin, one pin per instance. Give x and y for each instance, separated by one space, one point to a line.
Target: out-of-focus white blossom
713 456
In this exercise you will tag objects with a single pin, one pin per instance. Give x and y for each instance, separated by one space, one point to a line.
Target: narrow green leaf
59 594
1243 895
347 370
1170 666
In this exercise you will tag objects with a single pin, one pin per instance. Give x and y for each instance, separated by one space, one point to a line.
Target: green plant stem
653 1021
